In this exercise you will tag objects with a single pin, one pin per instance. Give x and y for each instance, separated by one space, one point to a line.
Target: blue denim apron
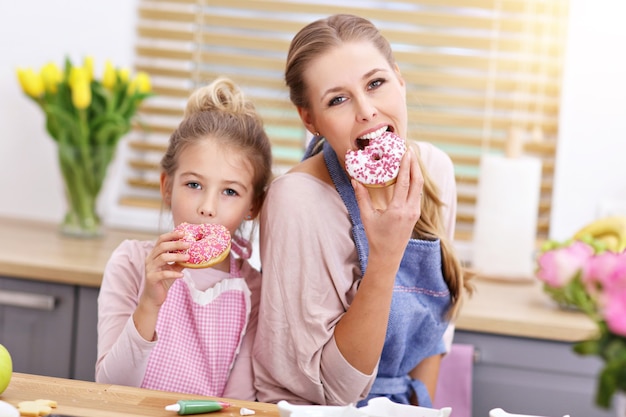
419 303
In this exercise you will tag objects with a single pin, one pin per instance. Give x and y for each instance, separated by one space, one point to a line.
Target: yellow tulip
31 82
141 83
77 75
81 88
51 75
109 78
88 64
123 74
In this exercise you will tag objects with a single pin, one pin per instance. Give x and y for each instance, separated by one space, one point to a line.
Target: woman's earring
316 134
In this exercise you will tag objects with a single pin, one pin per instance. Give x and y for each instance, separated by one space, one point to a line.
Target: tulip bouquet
86 117
587 274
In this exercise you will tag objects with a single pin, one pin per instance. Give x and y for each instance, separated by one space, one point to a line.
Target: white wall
32 33
591 164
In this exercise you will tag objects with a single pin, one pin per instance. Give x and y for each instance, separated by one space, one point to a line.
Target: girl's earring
248 217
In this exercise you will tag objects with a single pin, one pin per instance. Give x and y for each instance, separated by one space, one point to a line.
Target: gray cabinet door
531 376
36 325
86 334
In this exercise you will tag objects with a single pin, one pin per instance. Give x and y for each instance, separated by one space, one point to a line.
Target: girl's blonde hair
324 34
220 112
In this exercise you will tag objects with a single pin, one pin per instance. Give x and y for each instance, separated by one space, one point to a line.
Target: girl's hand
161 272
162 269
389 228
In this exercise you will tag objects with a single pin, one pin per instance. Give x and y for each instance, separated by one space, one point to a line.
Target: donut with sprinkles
210 244
378 163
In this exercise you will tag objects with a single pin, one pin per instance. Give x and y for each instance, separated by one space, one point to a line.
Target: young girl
191 330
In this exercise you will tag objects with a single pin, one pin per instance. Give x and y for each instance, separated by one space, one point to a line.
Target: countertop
82 398
35 250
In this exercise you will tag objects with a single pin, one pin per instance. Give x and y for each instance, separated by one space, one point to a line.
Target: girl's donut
210 244
377 164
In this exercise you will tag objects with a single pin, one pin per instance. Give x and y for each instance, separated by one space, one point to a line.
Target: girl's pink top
123 354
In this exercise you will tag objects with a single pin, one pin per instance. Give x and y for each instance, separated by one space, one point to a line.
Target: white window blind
476 70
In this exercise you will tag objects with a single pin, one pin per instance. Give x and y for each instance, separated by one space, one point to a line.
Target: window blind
476 71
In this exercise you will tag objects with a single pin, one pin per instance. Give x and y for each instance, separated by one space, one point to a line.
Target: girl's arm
122 352
132 285
161 272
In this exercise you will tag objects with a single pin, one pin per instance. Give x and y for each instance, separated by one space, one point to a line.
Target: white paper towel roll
505 226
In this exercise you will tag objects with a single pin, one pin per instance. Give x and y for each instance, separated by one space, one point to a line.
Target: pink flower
614 311
607 269
557 267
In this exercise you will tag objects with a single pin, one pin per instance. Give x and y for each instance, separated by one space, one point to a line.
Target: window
476 71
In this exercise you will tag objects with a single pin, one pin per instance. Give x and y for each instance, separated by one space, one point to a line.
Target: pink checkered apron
200 333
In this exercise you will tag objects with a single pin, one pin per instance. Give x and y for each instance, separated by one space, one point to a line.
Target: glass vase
83 169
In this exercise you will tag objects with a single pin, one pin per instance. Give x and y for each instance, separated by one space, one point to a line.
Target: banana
610 231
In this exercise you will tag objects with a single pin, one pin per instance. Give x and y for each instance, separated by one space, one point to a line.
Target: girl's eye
231 192
194 185
375 84
337 100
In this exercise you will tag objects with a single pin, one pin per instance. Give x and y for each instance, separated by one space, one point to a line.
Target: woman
359 284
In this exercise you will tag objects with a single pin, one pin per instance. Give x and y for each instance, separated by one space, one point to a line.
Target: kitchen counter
82 398
37 251
522 309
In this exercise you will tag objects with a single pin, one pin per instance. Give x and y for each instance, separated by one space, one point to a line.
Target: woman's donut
210 244
377 164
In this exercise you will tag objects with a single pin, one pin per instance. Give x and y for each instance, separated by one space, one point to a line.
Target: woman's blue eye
376 83
336 100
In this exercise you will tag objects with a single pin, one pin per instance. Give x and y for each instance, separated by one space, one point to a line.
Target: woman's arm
427 372
388 220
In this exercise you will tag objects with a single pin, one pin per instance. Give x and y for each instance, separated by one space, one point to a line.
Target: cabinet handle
27 300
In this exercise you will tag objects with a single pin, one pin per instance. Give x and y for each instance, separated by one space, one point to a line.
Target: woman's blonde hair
324 34
220 112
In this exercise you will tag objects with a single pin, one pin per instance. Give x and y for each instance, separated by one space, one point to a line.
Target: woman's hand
390 216
161 272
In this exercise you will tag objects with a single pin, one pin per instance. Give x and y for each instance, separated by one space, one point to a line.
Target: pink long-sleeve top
123 354
310 276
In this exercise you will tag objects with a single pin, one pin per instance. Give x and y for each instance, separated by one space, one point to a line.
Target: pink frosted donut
210 244
378 163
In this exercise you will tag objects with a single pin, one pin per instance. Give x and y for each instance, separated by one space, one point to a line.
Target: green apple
6 368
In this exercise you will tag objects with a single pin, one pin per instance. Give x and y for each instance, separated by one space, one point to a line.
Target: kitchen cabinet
36 325
49 287
49 329
86 346
531 376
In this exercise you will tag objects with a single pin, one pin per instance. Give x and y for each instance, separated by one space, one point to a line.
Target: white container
498 412
376 407
383 407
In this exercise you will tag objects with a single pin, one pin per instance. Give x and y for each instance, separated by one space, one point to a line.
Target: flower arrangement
86 117
588 272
